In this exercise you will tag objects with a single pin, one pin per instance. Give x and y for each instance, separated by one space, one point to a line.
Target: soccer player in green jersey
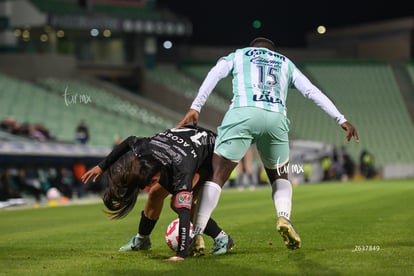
257 114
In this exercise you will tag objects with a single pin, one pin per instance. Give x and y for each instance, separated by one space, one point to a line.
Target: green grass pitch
354 228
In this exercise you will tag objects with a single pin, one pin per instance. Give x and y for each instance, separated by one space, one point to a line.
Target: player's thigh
205 174
157 193
273 147
235 134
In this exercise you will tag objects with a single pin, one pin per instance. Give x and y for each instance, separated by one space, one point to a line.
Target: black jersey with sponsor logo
181 151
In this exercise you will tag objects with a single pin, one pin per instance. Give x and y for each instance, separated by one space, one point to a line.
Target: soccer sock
282 197
221 235
212 229
207 202
252 179
240 181
146 225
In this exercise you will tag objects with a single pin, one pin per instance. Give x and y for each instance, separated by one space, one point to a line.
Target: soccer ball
53 194
171 234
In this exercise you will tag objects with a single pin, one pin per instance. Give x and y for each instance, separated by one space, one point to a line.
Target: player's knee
279 173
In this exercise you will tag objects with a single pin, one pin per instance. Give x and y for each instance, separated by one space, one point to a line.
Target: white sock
282 197
221 235
206 203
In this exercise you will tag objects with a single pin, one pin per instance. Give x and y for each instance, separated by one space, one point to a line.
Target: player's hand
350 132
95 172
190 117
175 259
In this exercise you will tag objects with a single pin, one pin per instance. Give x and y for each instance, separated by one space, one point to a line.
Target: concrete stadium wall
33 66
398 171
390 40
212 54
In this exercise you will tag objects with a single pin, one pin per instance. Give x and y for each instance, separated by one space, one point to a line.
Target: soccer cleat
137 243
222 245
289 235
197 246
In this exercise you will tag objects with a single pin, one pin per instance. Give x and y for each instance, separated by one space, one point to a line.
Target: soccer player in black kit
170 158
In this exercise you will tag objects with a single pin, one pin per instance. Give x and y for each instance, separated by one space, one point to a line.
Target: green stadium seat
368 95
185 85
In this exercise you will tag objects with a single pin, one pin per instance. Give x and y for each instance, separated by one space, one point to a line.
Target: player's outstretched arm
95 172
350 132
190 117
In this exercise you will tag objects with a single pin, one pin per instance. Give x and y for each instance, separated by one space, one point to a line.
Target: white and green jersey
261 78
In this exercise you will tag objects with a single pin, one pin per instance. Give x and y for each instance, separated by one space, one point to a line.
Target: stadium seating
368 95
106 100
362 90
410 71
410 68
199 72
106 117
365 91
181 83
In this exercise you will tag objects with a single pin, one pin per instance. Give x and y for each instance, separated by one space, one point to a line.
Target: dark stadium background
138 86
219 22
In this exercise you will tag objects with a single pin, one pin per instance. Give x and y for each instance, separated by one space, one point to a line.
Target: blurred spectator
17 184
118 141
36 134
9 124
64 182
40 132
22 130
337 169
231 182
245 175
339 166
367 164
307 172
28 182
9 194
79 169
35 131
82 133
349 164
326 163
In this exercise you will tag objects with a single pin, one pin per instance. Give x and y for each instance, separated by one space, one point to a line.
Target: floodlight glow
167 44
94 32
321 29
